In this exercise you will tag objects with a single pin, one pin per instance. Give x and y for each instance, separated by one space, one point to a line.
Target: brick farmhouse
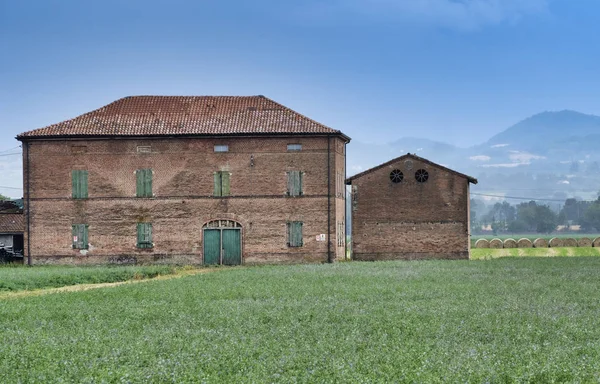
410 208
201 180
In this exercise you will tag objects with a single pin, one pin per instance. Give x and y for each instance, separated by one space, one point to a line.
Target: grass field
502 320
484 254
18 277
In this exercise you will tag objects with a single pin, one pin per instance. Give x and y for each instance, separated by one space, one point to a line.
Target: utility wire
518 198
10 149
2 187
10 154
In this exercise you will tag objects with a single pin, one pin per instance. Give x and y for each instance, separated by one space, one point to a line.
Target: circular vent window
396 176
421 175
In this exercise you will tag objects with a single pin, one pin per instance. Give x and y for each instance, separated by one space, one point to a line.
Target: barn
187 180
410 208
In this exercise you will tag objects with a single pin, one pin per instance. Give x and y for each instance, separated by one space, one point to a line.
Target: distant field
483 254
532 237
531 320
18 278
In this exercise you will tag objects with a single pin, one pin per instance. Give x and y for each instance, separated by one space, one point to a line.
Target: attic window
144 149
294 147
421 175
396 176
221 148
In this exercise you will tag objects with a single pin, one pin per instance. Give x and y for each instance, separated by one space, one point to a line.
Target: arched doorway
222 242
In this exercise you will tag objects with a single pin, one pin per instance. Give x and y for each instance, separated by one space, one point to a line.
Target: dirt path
85 287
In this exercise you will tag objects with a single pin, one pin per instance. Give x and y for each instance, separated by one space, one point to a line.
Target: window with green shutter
294 232
80 236
143 183
79 181
222 183
144 235
294 183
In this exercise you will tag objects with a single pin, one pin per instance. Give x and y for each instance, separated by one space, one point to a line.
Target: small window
79 180
144 235
80 236
294 232
144 149
294 183
144 183
396 176
294 147
221 148
222 182
421 175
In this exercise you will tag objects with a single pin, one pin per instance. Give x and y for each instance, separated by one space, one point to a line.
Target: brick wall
183 186
410 220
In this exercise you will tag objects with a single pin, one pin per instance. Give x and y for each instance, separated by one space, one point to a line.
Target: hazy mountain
548 155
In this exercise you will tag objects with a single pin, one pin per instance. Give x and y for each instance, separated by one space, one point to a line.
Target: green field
19 278
503 320
486 253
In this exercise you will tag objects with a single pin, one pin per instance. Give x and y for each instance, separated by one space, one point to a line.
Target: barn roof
415 157
12 223
185 116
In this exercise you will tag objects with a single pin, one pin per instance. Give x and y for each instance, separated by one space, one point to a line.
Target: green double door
222 246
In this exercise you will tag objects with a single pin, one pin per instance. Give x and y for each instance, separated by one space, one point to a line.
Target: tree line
533 217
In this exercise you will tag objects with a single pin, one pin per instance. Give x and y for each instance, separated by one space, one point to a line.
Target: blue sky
457 71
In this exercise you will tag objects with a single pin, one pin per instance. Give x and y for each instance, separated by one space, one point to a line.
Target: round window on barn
396 176
421 175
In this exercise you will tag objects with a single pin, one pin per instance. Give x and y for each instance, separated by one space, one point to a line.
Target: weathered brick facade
408 219
183 202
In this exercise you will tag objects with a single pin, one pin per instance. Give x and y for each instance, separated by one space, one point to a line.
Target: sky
457 71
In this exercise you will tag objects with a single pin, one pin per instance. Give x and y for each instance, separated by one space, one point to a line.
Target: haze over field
454 74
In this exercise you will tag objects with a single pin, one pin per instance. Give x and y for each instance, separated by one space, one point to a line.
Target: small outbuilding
410 208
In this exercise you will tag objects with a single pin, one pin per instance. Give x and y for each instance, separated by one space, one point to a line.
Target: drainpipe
329 258
26 144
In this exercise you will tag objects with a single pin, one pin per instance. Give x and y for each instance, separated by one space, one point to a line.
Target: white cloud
564 182
480 158
502 165
455 14
356 168
499 145
524 157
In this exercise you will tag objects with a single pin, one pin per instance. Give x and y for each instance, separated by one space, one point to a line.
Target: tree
2 197
591 217
538 218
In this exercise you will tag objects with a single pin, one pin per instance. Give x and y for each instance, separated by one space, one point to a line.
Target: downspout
329 258
345 202
28 204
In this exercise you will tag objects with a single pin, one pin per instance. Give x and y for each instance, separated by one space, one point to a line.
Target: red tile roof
12 223
185 115
409 155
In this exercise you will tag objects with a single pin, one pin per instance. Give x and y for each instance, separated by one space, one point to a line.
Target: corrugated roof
185 115
12 223
410 155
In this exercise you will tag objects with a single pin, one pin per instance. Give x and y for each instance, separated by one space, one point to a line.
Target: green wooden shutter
139 185
83 185
75 184
217 184
295 234
140 236
294 183
84 227
148 183
148 235
224 183
300 192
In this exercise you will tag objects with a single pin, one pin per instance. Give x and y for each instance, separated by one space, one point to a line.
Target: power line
10 154
10 187
10 149
518 198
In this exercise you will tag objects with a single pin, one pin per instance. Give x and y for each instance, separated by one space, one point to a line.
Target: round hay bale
540 243
569 242
584 242
596 242
524 243
555 242
496 243
510 243
482 243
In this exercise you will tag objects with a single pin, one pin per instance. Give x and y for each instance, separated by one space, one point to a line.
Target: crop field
489 253
500 320
19 277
